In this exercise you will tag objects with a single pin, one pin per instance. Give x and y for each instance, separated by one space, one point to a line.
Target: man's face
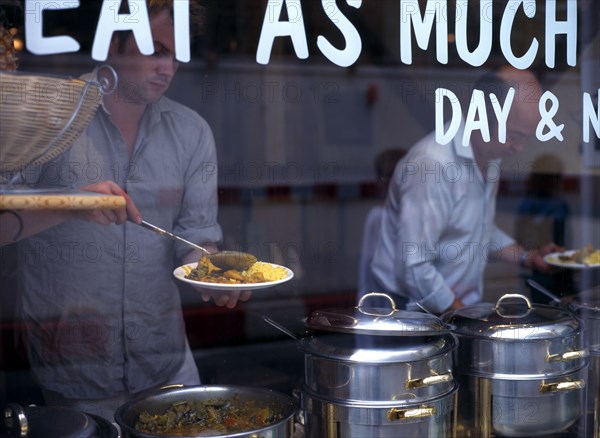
144 79
520 127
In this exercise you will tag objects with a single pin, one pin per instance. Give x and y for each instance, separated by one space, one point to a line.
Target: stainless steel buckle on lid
362 300
499 311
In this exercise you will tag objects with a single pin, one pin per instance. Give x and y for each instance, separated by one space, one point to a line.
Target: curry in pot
207 417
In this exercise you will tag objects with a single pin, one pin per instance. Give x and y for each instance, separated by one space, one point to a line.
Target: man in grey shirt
102 311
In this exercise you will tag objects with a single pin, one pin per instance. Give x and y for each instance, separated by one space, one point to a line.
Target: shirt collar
460 150
466 152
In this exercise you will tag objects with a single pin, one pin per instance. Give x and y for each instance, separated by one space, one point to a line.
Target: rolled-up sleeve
501 239
197 221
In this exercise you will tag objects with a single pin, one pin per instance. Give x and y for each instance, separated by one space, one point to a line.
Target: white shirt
438 230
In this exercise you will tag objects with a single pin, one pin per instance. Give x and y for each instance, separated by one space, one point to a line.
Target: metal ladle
222 259
534 284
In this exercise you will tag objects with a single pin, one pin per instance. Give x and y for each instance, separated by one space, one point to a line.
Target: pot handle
430 380
562 386
15 419
564 357
361 302
396 414
172 386
506 296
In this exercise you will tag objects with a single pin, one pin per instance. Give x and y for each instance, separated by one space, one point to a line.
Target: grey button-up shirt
102 310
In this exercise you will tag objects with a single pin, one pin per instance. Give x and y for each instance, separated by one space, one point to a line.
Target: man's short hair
494 82
197 16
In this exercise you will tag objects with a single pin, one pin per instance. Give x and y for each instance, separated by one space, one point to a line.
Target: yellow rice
269 272
593 258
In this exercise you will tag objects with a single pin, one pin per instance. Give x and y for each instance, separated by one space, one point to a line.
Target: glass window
318 111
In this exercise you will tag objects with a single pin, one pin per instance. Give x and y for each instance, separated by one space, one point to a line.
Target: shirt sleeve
500 238
197 220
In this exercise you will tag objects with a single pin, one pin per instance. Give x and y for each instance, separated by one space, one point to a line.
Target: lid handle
361 303
508 296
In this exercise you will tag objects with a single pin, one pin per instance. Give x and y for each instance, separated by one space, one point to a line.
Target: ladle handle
279 327
534 284
423 308
165 233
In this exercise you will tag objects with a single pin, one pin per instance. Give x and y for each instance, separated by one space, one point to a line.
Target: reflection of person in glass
100 304
541 217
438 226
385 163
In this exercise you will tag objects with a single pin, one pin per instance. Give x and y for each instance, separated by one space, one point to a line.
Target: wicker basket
41 116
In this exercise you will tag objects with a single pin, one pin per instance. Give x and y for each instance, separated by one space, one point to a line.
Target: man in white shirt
438 230
385 163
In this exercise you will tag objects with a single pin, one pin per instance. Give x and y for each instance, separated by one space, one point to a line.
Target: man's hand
30 222
227 299
535 258
456 304
106 217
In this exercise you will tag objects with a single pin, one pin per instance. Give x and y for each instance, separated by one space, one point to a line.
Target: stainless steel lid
379 321
379 350
53 421
587 302
586 305
513 318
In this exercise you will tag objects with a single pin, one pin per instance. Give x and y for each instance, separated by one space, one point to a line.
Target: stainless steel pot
364 362
352 418
586 305
157 402
593 403
346 368
521 408
512 353
51 421
511 337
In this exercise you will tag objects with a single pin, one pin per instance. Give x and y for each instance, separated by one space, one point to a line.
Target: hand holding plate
227 299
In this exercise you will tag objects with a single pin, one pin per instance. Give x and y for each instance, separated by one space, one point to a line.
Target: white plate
184 270
552 259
